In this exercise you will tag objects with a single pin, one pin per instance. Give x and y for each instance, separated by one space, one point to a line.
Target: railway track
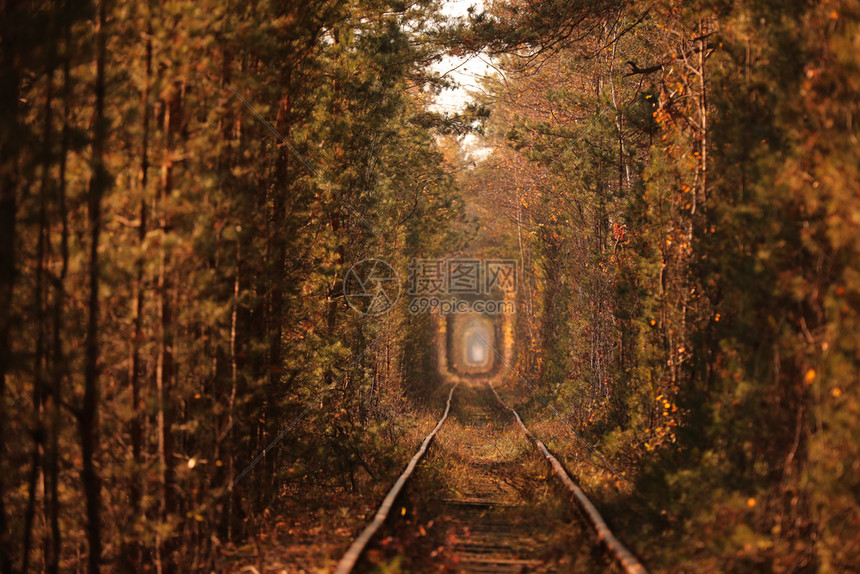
494 507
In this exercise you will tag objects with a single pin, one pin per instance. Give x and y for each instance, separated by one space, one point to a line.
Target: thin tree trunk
39 359
703 112
10 78
164 364
131 554
276 307
89 423
234 380
58 367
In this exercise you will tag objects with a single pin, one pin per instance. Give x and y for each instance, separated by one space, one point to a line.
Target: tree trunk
131 553
39 359
164 361
58 369
89 422
10 79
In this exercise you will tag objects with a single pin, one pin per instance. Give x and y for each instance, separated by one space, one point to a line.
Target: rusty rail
628 562
347 563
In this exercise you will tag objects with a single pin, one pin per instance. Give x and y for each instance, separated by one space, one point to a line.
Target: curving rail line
619 553
352 555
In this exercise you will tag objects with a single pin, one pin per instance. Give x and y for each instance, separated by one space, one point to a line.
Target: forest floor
313 524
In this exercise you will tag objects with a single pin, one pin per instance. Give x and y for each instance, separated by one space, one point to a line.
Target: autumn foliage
184 183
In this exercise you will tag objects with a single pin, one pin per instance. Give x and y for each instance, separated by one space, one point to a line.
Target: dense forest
184 186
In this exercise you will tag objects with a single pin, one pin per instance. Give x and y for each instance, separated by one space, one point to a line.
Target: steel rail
347 563
625 559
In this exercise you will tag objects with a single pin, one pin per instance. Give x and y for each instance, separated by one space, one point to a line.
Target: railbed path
483 501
